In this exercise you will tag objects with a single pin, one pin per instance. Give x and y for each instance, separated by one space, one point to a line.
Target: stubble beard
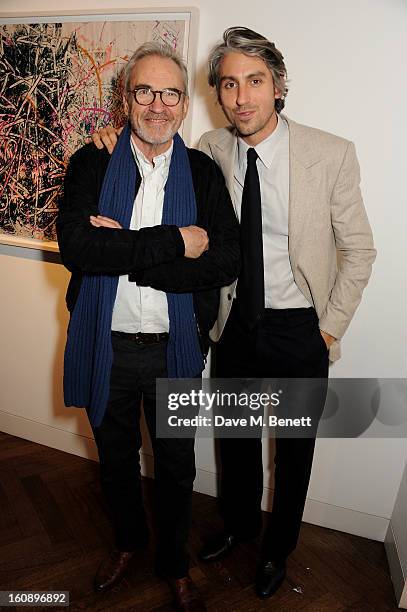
247 129
146 132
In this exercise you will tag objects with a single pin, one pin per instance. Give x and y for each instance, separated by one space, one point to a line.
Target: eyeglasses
146 96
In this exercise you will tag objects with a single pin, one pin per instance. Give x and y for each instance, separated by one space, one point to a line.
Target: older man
149 236
307 253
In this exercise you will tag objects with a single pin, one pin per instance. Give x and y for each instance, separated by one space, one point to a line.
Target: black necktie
250 286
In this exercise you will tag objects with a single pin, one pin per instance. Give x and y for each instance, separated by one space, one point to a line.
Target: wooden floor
54 532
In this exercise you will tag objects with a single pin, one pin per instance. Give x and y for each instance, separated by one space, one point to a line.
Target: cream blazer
330 241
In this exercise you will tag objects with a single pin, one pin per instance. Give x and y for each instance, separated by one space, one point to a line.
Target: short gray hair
243 40
159 49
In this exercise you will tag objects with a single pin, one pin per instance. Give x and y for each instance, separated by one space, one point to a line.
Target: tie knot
251 156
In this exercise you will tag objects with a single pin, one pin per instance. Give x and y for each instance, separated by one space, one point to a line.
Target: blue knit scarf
88 352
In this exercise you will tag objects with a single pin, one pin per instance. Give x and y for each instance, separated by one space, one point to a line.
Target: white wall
396 544
346 62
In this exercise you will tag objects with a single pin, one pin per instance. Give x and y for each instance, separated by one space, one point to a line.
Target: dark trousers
134 372
287 344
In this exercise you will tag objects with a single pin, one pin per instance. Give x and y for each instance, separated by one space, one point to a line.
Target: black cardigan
153 256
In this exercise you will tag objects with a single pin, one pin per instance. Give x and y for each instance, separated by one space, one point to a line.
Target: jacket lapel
303 185
224 153
303 180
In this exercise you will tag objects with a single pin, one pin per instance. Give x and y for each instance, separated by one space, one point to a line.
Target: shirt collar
267 148
144 165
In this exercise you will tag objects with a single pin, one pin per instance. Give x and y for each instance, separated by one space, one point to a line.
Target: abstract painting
59 82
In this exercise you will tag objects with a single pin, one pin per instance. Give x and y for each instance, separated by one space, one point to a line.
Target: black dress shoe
270 576
218 546
112 570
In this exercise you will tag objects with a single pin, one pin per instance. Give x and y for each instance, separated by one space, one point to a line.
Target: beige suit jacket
330 241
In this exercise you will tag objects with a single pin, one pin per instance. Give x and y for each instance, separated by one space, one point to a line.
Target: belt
140 338
290 313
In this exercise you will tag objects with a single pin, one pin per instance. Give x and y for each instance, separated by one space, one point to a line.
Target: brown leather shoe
112 570
187 598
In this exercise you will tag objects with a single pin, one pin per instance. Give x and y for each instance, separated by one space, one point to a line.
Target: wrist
179 241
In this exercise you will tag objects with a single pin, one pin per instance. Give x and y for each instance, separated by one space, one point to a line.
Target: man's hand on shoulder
196 241
101 221
106 137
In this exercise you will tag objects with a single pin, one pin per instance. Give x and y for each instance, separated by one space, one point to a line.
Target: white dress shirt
273 168
143 309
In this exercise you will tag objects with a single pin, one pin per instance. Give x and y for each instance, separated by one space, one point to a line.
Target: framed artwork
59 82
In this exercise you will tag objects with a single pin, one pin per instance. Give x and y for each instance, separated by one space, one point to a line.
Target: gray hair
161 50
243 40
